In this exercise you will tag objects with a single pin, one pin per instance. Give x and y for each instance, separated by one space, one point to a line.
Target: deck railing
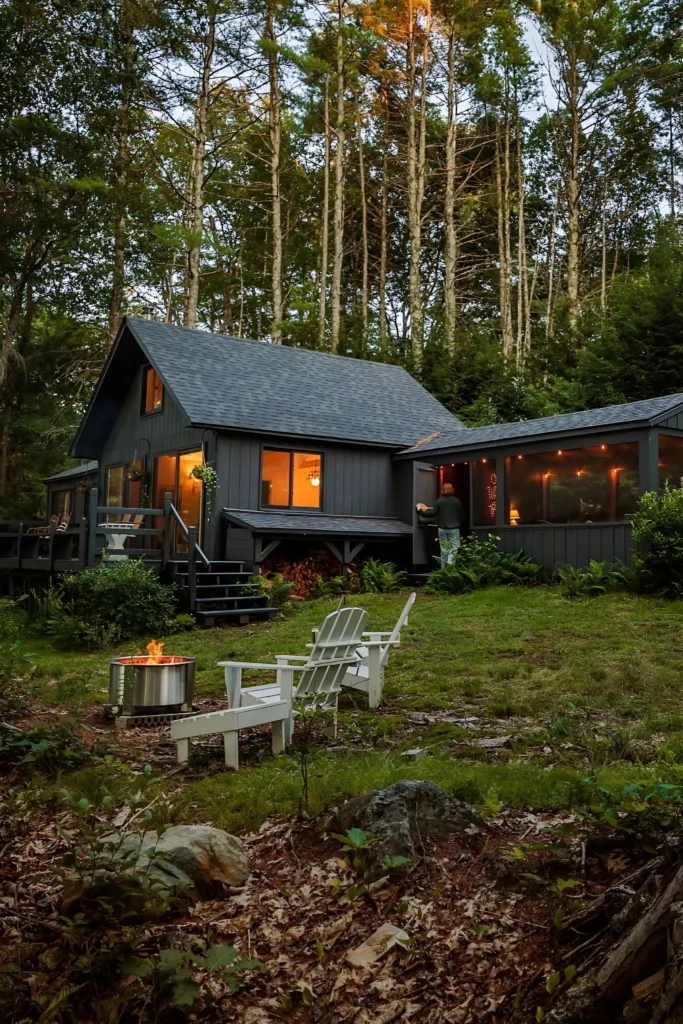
84 543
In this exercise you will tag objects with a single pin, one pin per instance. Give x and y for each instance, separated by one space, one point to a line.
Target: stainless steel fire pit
161 685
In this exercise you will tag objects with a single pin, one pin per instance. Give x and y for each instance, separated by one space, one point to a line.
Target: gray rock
188 862
494 742
392 814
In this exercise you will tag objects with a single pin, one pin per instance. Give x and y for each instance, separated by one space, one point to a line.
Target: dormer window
152 391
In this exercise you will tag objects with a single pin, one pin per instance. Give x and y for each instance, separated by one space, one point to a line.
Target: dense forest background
488 192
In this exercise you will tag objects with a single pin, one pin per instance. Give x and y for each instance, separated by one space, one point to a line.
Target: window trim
291 452
143 392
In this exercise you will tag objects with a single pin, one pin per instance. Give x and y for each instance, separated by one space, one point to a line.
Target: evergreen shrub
479 563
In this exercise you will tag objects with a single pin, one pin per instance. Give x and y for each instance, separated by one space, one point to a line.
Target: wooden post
166 539
20 533
648 462
92 521
82 542
192 565
51 545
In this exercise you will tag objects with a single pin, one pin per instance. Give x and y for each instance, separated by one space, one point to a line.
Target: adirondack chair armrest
380 643
293 657
255 664
375 634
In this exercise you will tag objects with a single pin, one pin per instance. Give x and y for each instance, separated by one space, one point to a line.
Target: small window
290 479
670 460
152 392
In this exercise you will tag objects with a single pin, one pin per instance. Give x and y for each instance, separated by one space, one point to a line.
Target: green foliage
479 563
658 529
597 578
168 978
327 588
182 623
14 661
50 749
277 589
111 602
380 577
643 809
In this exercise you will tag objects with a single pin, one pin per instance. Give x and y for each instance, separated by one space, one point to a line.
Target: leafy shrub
479 563
48 748
327 588
638 808
182 623
111 602
380 577
14 662
276 588
595 579
658 529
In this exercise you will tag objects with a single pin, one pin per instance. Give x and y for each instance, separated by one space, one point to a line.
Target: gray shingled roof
303 523
228 382
87 469
646 411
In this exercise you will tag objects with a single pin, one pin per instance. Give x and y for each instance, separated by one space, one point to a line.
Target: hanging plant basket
135 473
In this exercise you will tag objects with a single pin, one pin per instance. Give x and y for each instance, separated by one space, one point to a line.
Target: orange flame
155 649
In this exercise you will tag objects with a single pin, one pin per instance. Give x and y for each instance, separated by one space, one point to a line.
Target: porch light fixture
520 456
559 452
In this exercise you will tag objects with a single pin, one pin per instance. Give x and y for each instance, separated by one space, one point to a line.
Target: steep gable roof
219 381
642 413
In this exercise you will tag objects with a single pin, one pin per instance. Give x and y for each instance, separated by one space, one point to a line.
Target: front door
173 472
425 490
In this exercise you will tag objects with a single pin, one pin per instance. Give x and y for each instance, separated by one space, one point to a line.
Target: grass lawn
590 686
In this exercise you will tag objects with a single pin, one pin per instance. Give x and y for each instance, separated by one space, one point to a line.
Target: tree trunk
274 121
14 375
196 203
503 261
364 228
551 270
122 168
573 229
417 138
523 311
603 268
383 244
325 222
339 171
451 241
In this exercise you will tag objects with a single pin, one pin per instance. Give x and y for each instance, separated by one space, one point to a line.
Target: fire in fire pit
155 683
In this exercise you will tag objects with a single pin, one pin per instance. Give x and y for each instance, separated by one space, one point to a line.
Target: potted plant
209 478
135 472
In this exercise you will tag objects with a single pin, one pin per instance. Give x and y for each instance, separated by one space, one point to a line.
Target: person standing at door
447 511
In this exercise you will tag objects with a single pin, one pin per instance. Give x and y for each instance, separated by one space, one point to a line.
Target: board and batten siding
355 481
575 544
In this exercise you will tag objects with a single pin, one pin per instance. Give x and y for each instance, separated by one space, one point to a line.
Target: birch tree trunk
122 168
196 197
503 251
416 161
523 311
325 222
573 191
364 227
551 269
339 171
383 245
274 123
451 242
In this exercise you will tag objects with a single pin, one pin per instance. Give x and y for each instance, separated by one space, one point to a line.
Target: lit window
152 392
670 460
578 485
290 479
484 492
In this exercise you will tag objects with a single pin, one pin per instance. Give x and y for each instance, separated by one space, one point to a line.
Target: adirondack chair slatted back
333 652
400 623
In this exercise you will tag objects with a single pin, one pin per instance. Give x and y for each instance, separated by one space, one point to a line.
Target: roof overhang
311 524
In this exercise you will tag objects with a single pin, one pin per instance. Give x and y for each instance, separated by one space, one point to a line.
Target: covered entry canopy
345 536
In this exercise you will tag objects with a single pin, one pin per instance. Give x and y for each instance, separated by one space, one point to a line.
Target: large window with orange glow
670 460
575 485
152 391
290 479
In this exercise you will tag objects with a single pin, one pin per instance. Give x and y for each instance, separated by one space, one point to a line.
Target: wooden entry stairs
220 591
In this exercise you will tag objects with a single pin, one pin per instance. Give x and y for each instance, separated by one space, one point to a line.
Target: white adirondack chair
322 671
368 674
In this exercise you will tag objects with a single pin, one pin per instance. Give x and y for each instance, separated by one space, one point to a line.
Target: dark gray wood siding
356 481
573 544
673 423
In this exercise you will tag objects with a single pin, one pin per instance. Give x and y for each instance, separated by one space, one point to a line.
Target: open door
425 537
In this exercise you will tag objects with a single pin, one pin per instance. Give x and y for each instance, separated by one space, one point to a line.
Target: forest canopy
486 192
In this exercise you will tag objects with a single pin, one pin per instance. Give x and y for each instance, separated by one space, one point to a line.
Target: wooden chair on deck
322 672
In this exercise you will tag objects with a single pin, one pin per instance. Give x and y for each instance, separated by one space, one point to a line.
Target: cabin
207 454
